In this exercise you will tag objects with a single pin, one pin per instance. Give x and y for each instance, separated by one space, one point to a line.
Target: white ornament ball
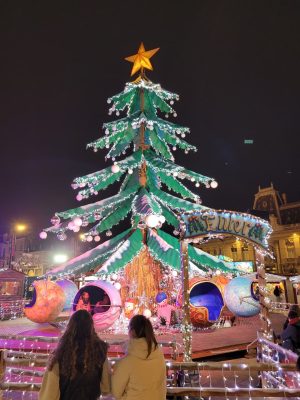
117 285
97 238
174 273
147 313
79 197
174 148
77 221
115 168
152 221
89 238
197 184
172 102
174 114
108 101
114 277
183 135
106 132
130 171
214 184
43 235
175 173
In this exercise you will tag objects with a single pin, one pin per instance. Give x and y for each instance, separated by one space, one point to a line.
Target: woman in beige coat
141 374
78 369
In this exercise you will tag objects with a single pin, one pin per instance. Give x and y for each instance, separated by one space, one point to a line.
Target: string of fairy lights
25 366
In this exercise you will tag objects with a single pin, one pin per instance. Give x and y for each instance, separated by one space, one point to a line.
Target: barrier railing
270 352
12 309
281 307
201 379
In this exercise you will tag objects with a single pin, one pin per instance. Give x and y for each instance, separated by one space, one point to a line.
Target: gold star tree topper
141 60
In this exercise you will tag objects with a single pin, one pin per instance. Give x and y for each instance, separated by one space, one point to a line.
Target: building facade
284 218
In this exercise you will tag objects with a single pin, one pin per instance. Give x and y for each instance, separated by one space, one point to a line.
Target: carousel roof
116 253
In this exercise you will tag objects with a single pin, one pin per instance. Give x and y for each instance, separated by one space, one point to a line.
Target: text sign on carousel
249 227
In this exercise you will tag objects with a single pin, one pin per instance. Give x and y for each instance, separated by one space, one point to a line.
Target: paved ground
205 343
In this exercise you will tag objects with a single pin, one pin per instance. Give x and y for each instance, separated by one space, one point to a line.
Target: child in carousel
164 309
84 302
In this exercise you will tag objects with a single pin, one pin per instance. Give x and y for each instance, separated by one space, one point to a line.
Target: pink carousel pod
47 302
105 303
70 291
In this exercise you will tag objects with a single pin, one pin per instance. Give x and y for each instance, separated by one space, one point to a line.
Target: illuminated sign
206 222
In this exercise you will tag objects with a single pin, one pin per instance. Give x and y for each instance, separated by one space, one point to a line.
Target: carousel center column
186 321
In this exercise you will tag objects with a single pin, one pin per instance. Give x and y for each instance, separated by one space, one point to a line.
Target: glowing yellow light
20 227
81 236
141 59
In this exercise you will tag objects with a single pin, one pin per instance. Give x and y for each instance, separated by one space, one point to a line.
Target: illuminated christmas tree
151 191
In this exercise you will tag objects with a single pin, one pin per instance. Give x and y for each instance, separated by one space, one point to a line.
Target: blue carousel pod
70 291
240 298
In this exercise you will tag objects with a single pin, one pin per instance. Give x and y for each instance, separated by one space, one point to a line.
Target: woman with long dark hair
78 368
141 374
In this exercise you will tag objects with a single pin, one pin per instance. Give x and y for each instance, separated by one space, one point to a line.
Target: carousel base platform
23 335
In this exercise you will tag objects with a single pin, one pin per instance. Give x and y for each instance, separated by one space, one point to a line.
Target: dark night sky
235 64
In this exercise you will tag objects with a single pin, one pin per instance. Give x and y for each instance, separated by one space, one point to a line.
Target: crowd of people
79 369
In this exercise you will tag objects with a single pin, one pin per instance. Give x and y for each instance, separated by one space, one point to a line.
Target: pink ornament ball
43 235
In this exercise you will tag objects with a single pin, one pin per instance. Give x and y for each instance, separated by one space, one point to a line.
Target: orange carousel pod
206 301
221 281
47 302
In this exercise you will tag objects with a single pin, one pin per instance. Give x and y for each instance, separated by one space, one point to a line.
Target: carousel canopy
116 253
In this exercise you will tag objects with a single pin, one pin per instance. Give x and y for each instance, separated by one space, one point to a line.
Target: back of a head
292 314
143 329
81 324
79 346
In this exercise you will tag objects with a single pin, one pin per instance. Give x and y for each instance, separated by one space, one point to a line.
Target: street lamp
15 230
20 228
